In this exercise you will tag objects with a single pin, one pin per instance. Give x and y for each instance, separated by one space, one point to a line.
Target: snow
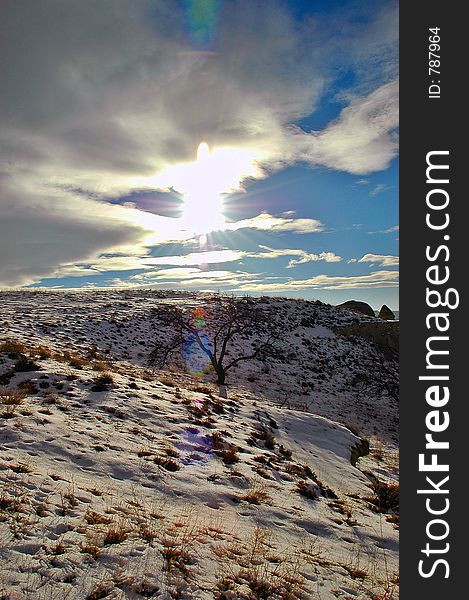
158 487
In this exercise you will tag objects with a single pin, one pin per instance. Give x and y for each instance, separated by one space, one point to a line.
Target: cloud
390 229
327 282
66 235
104 264
107 91
41 231
362 140
383 260
268 222
379 189
248 282
188 277
196 258
96 95
329 257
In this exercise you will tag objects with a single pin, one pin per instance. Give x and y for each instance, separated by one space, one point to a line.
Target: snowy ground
120 482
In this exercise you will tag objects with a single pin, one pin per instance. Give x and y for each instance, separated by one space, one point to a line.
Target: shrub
24 364
28 387
170 451
386 496
167 463
13 348
269 441
256 494
306 490
12 397
100 365
102 590
116 533
20 468
102 382
76 361
217 440
43 352
229 456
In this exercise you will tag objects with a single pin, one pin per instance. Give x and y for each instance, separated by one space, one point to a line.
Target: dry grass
218 442
102 590
42 352
171 451
92 546
116 533
179 542
14 348
167 380
166 463
386 497
102 382
12 397
255 571
10 503
229 456
21 468
101 365
257 493
306 490
74 359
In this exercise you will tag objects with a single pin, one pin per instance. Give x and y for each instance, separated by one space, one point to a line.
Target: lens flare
196 445
202 17
196 360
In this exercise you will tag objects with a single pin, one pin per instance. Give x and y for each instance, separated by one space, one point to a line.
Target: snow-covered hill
119 481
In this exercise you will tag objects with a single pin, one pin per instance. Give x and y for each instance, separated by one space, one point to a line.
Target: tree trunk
221 375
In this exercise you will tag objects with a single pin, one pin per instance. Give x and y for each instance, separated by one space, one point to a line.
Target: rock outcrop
386 313
357 306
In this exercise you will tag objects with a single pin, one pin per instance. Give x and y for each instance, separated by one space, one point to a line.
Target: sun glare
203 204
203 183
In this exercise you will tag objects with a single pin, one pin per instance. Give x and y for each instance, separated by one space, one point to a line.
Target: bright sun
203 205
203 182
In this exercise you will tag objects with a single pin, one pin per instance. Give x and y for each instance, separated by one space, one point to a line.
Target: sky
241 146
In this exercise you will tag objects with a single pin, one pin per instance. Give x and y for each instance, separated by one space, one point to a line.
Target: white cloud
328 282
362 140
381 259
329 257
196 258
242 281
379 189
192 277
60 234
268 222
390 229
103 264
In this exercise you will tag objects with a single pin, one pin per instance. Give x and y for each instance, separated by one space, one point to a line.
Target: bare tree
228 330
382 377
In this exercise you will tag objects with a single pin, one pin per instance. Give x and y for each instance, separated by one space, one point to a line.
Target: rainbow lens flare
202 17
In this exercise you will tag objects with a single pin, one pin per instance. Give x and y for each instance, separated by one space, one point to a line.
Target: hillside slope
120 482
